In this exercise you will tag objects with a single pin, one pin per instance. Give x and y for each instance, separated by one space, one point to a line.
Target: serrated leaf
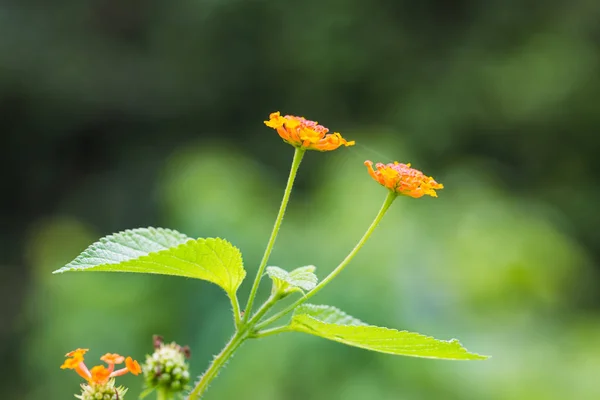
333 324
164 251
328 315
299 279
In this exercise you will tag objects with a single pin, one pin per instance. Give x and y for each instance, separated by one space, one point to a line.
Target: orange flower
112 358
305 134
403 179
99 375
133 366
76 353
75 361
74 358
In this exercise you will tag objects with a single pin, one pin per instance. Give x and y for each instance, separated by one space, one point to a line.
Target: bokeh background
116 115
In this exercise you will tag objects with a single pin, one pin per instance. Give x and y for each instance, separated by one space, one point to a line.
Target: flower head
100 378
167 368
403 179
305 134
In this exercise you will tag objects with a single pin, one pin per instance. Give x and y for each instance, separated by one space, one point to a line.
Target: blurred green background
117 115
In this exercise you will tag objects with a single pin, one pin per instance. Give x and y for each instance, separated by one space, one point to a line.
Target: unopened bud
166 369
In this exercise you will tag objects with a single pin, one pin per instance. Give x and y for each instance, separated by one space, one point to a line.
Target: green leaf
164 251
333 324
300 279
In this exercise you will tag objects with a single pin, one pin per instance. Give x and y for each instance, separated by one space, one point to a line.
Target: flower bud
166 369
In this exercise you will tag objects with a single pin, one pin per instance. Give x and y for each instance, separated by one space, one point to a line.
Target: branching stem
386 205
251 327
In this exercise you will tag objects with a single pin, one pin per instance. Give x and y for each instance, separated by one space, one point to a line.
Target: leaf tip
480 357
62 270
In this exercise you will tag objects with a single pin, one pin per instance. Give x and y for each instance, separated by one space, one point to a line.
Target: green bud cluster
166 369
107 391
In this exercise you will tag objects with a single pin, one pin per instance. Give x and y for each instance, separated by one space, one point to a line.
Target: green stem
263 310
298 154
219 361
244 331
235 305
269 332
162 394
386 205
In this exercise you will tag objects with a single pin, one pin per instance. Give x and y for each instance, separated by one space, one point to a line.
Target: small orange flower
75 361
305 134
78 352
403 179
133 366
100 375
74 358
112 358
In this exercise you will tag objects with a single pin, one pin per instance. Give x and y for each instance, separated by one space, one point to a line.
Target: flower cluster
305 134
100 379
403 179
166 369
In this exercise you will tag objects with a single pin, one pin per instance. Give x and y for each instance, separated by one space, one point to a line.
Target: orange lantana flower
100 374
75 361
403 179
112 358
305 134
133 366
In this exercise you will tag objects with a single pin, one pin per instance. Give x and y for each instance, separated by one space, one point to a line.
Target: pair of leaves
164 251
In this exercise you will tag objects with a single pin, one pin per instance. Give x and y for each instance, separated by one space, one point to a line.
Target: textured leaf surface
302 278
164 251
333 324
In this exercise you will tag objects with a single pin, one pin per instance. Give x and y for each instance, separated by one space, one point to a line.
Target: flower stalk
162 394
298 155
382 211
